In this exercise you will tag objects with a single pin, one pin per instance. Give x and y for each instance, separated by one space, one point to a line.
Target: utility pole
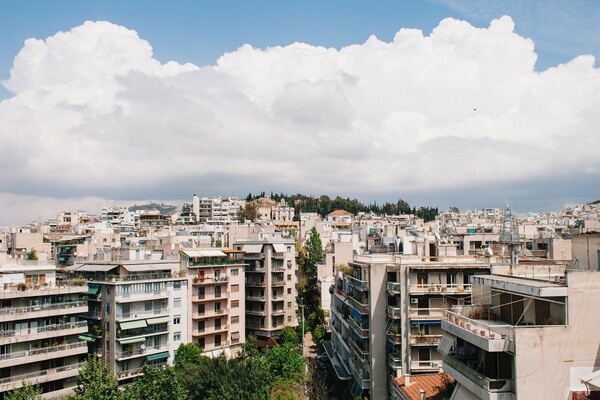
302 307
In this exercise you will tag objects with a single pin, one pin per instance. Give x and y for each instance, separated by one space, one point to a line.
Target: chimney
406 380
422 394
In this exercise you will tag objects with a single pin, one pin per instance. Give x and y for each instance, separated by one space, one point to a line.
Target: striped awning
132 340
158 320
133 324
158 356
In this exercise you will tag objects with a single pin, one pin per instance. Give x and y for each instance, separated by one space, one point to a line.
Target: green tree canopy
26 392
96 381
156 384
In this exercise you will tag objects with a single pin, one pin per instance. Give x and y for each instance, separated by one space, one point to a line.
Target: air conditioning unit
414 301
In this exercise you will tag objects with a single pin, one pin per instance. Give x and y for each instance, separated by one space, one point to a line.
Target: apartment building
270 285
528 334
207 209
137 312
216 315
419 289
40 329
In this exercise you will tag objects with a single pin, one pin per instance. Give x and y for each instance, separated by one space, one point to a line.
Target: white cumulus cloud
93 113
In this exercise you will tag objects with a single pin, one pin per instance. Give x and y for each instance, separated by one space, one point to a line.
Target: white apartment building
40 329
216 208
216 313
270 285
137 312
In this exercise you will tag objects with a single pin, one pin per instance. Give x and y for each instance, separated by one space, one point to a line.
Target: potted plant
21 287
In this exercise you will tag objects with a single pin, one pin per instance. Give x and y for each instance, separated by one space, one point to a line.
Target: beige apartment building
529 334
270 285
216 299
40 329
137 313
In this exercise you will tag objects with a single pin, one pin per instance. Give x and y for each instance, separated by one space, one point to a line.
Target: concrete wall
586 250
546 357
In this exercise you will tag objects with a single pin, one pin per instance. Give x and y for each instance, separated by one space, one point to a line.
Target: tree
156 384
188 354
25 392
96 381
248 213
32 255
285 363
314 248
288 335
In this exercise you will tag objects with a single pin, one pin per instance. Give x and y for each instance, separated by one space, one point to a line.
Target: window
289 304
234 272
289 290
108 308
177 302
201 342
200 309
107 326
235 319
235 303
125 289
289 264
217 340
148 287
177 336
107 345
148 305
289 277
235 337
235 288
177 285
289 249
177 320
289 318
217 307
107 290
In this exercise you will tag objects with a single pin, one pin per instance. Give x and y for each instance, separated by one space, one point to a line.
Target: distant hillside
595 202
164 209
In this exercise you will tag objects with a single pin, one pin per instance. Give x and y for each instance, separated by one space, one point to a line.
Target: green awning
158 320
133 340
93 288
133 324
158 356
88 338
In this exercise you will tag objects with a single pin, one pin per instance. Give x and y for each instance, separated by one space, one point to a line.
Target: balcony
465 375
222 280
277 312
209 330
358 306
428 314
433 288
361 354
356 327
394 312
42 310
137 314
278 283
150 331
254 282
136 277
395 360
45 353
425 340
395 338
360 375
60 288
489 335
394 288
255 298
357 283
140 295
42 332
39 377
211 313
425 365
140 352
258 312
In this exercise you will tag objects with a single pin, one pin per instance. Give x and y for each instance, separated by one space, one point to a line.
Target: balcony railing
210 280
394 287
255 298
360 374
361 308
489 329
488 384
278 283
256 312
141 351
209 330
210 313
357 283
425 313
43 329
278 312
362 355
42 351
426 365
251 282
128 334
440 288
425 340
394 312
395 360
43 307
40 374
137 314
362 332
137 277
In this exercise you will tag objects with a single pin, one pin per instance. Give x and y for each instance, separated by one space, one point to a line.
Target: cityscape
474 304
316 200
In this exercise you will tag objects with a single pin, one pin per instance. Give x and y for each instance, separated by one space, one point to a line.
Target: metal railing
361 308
425 313
362 332
43 350
46 372
439 288
42 307
395 360
41 329
428 365
394 312
427 340
460 316
357 283
137 314
394 287
140 351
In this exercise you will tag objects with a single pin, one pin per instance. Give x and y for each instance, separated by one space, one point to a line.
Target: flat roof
529 287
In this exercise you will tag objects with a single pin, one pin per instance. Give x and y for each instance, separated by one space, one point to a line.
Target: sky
441 103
